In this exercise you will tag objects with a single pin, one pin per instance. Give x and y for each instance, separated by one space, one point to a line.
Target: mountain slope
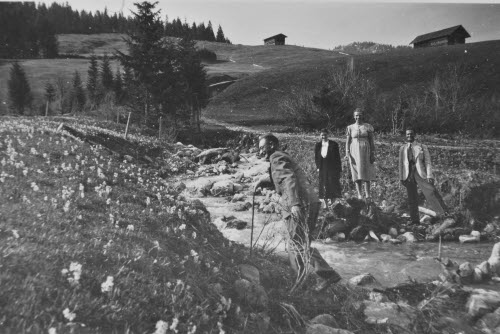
255 99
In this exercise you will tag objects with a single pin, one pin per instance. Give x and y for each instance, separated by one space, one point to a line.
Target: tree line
446 103
156 78
29 30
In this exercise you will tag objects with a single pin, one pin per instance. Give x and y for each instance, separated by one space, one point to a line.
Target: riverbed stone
237 224
475 236
494 259
325 319
201 186
363 279
466 270
385 237
409 237
490 228
242 206
485 269
482 301
400 314
393 232
490 323
378 297
322 329
222 188
250 293
447 223
250 273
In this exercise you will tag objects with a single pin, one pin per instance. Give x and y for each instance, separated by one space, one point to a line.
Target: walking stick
251 230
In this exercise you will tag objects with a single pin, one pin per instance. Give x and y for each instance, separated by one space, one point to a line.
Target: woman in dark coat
328 163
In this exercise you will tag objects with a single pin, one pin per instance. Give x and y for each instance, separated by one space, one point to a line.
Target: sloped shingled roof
440 33
278 35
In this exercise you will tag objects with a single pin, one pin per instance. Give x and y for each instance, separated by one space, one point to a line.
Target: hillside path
472 144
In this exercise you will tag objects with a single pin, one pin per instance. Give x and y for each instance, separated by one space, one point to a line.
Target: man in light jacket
415 169
300 206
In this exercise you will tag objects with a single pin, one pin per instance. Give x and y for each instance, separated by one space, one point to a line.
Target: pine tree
50 95
77 94
149 58
209 33
92 82
106 74
118 86
19 89
220 35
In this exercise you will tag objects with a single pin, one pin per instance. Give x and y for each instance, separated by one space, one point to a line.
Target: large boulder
482 301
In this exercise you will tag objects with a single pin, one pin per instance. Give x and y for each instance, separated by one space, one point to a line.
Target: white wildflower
66 206
130 227
69 315
15 234
107 286
161 327
52 330
148 201
173 326
182 227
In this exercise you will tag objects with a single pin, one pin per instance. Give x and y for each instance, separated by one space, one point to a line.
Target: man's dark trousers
431 194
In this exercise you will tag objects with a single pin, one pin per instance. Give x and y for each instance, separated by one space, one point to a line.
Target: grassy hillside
255 99
234 60
85 45
94 243
41 71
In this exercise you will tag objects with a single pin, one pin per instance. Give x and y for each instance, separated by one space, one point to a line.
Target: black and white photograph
238 166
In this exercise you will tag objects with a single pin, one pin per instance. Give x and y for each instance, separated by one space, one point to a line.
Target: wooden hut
448 36
278 39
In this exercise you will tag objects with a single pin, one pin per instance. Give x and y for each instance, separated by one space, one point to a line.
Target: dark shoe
323 283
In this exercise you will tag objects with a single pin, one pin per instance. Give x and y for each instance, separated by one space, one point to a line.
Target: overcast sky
323 23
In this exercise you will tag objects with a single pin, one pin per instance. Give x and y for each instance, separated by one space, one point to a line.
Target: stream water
390 264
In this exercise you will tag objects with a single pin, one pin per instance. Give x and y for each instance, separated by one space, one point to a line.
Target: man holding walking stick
300 207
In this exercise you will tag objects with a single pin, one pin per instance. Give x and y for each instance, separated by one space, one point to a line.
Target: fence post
47 109
126 128
159 129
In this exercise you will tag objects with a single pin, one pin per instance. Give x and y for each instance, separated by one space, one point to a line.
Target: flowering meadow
91 243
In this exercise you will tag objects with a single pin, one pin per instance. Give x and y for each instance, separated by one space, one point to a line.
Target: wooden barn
448 36
278 39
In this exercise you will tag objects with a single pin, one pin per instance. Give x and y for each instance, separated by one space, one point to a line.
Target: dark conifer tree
118 86
220 36
106 74
19 89
50 94
77 94
209 33
92 82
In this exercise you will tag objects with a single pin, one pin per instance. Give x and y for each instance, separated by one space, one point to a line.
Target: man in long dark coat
329 165
300 206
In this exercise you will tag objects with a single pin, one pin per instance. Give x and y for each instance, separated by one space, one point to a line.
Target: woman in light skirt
360 151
